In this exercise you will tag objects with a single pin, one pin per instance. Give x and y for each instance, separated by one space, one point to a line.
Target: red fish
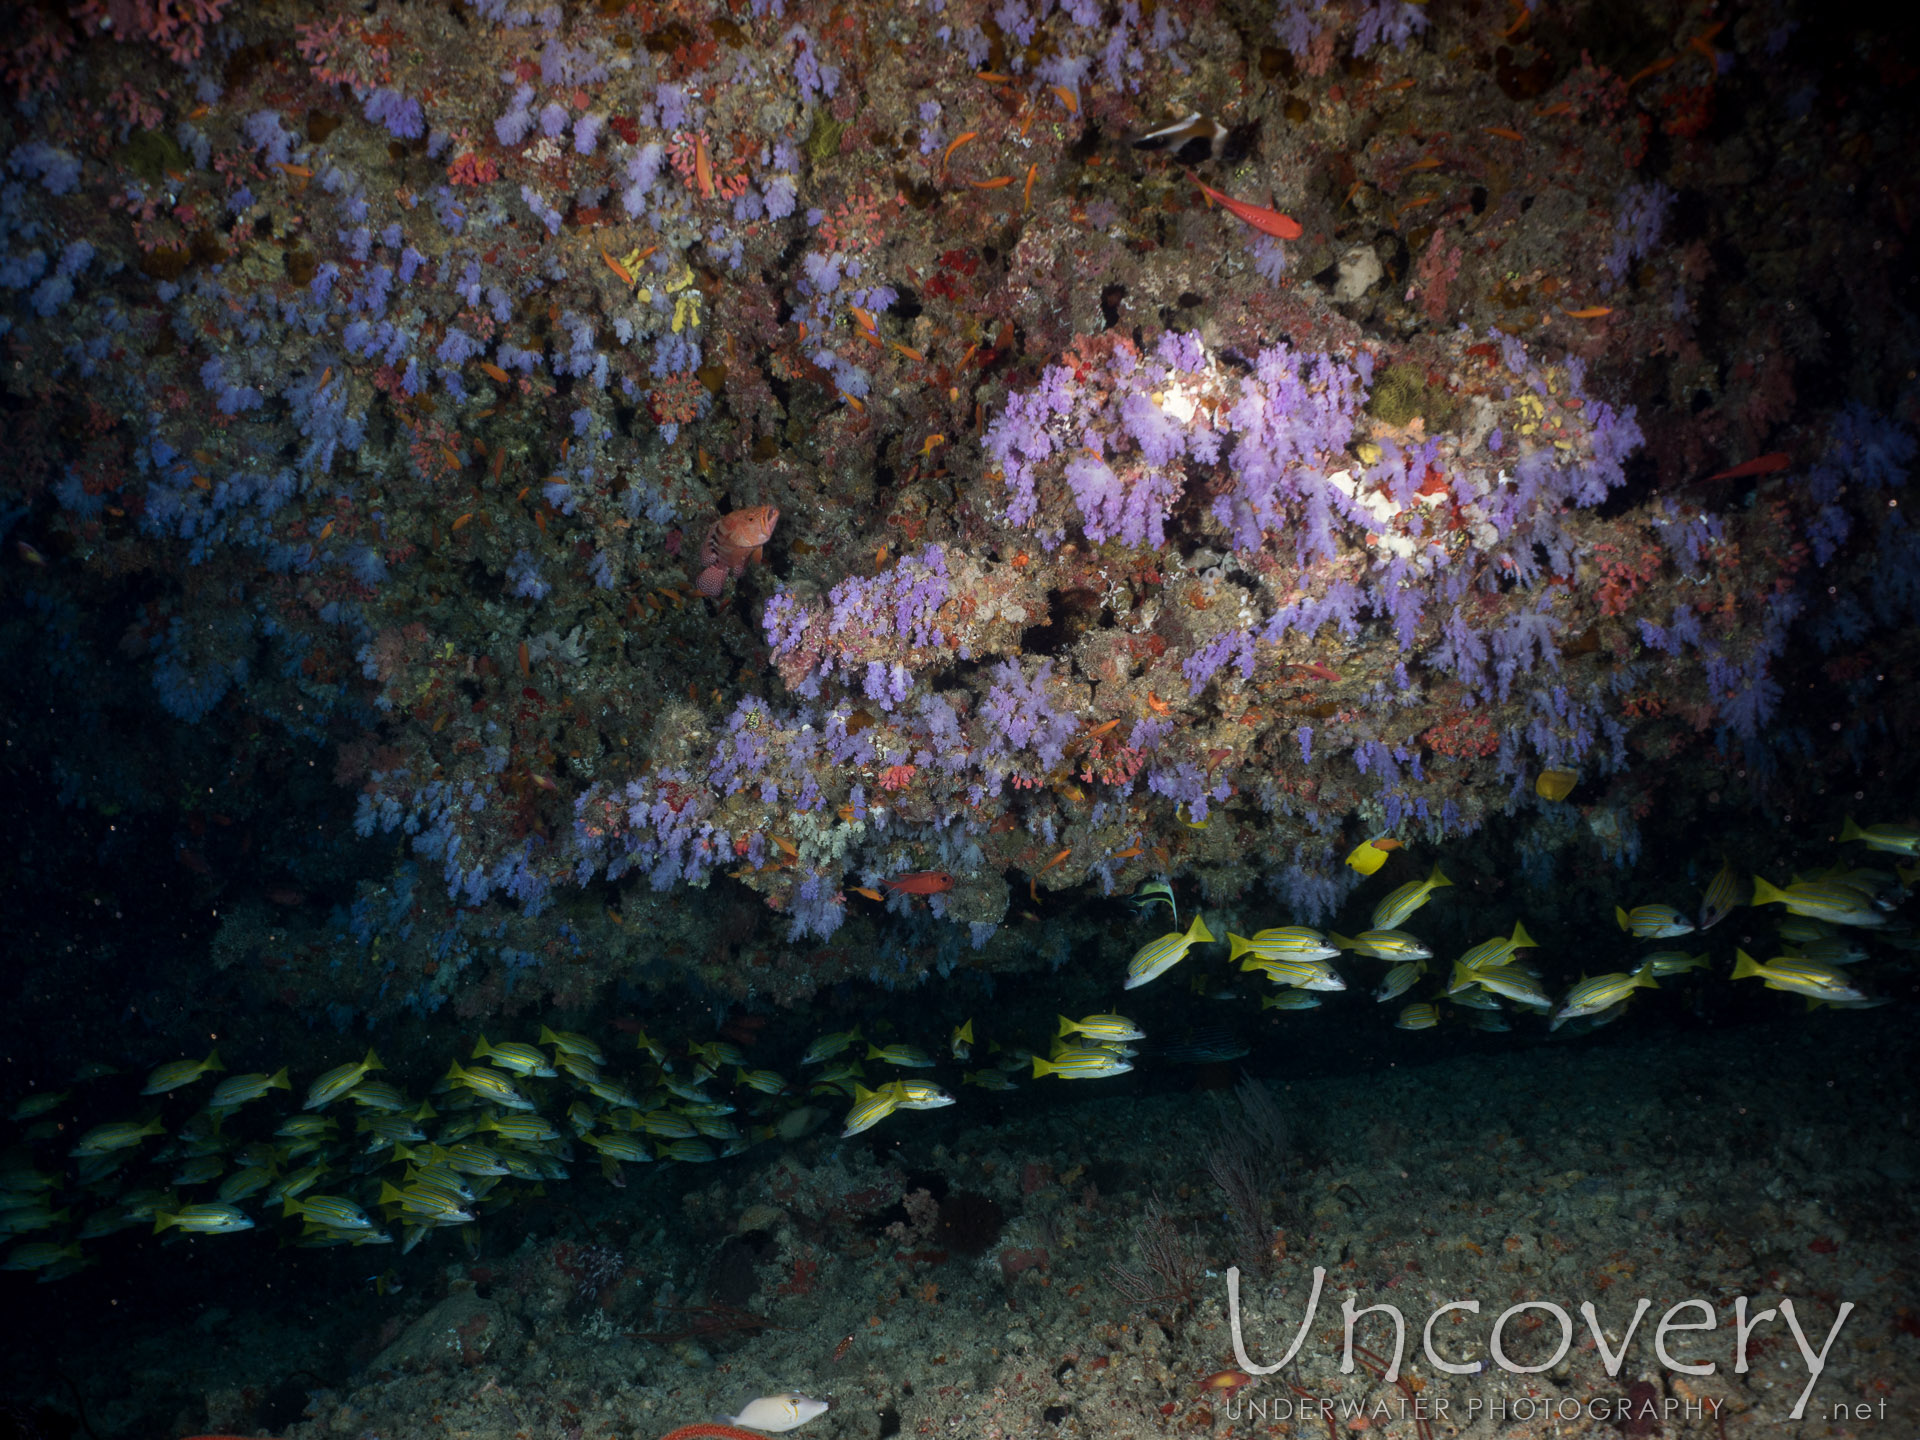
1267 222
732 544
1760 465
921 882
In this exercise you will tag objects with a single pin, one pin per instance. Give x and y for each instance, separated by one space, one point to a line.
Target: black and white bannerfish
1197 138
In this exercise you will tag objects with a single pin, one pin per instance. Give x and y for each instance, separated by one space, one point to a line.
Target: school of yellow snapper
361 1157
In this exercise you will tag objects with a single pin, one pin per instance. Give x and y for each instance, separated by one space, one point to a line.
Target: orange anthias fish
732 544
921 882
1267 222
1760 465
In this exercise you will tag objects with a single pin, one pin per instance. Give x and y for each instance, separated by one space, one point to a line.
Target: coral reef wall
399 397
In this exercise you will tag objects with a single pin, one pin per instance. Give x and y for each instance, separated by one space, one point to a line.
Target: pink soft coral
178 28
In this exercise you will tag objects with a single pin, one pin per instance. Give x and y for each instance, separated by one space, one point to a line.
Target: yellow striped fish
1802 977
1401 903
1652 922
1155 959
1102 1027
1600 992
175 1073
237 1090
1384 945
1090 1063
1820 900
1888 839
1499 950
339 1080
1286 942
870 1107
1400 980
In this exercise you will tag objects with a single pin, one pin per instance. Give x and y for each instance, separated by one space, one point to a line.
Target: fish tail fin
161 1221
372 1062
1238 946
1850 831
1765 893
1621 917
1043 1066
1198 930
547 1037
481 1050
1745 967
1335 939
1067 1027
455 1073
1436 879
1643 977
873 1051
278 1080
212 1062
1522 940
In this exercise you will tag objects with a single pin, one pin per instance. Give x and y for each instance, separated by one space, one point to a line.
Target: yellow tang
1555 784
1369 855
